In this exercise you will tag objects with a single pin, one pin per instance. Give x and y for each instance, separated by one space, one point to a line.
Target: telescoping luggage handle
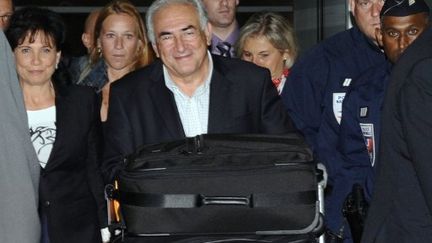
240 201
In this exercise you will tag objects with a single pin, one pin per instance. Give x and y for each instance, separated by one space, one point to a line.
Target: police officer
401 24
317 85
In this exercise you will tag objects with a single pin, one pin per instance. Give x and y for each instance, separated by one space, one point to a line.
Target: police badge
369 137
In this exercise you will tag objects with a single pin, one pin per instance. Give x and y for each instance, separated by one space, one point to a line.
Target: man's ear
351 6
155 49
379 36
208 33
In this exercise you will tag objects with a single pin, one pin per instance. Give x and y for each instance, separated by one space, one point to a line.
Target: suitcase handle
200 200
226 200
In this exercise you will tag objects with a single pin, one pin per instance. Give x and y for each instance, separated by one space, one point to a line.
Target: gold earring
99 51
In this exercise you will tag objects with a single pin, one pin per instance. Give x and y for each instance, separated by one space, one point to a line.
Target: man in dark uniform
316 87
360 126
401 206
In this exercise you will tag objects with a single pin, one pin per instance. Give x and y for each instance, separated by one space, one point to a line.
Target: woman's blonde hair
275 28
145 54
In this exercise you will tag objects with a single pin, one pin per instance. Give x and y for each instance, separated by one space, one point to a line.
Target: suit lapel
220 110
62 114
164 102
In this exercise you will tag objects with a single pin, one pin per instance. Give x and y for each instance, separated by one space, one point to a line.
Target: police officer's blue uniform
313 96
359 136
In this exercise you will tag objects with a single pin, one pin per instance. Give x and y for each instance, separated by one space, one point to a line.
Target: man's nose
178 42
376 8
404 43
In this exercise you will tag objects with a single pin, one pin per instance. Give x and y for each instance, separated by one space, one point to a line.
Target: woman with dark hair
64 128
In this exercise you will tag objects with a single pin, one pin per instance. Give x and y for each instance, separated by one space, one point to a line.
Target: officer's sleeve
303 93
416 118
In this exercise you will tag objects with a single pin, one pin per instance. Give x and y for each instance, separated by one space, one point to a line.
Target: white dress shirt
193 109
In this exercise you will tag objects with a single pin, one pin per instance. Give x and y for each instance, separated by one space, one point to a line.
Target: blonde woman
268 40
121 47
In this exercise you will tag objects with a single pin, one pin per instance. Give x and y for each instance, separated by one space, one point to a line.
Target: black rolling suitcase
231 185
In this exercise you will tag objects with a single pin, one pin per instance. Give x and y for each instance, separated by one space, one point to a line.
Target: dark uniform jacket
402 201
360 128
313 96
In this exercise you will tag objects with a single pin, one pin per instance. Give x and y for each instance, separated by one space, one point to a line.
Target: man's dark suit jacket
142 109
402 203
71 186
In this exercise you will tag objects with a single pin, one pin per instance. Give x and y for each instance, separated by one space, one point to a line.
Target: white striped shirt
193 110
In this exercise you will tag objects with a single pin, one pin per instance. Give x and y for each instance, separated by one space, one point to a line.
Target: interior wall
75 12
312 26
304 15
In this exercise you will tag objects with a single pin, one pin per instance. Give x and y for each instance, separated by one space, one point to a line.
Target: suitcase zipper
186 153
200 170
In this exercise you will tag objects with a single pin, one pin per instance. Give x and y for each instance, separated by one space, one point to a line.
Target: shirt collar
232 38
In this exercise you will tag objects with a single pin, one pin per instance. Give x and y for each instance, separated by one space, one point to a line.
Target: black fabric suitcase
224 184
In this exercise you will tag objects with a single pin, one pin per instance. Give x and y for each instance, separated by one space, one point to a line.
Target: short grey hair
159 4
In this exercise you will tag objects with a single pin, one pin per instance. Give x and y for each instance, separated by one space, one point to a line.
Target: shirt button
47 203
